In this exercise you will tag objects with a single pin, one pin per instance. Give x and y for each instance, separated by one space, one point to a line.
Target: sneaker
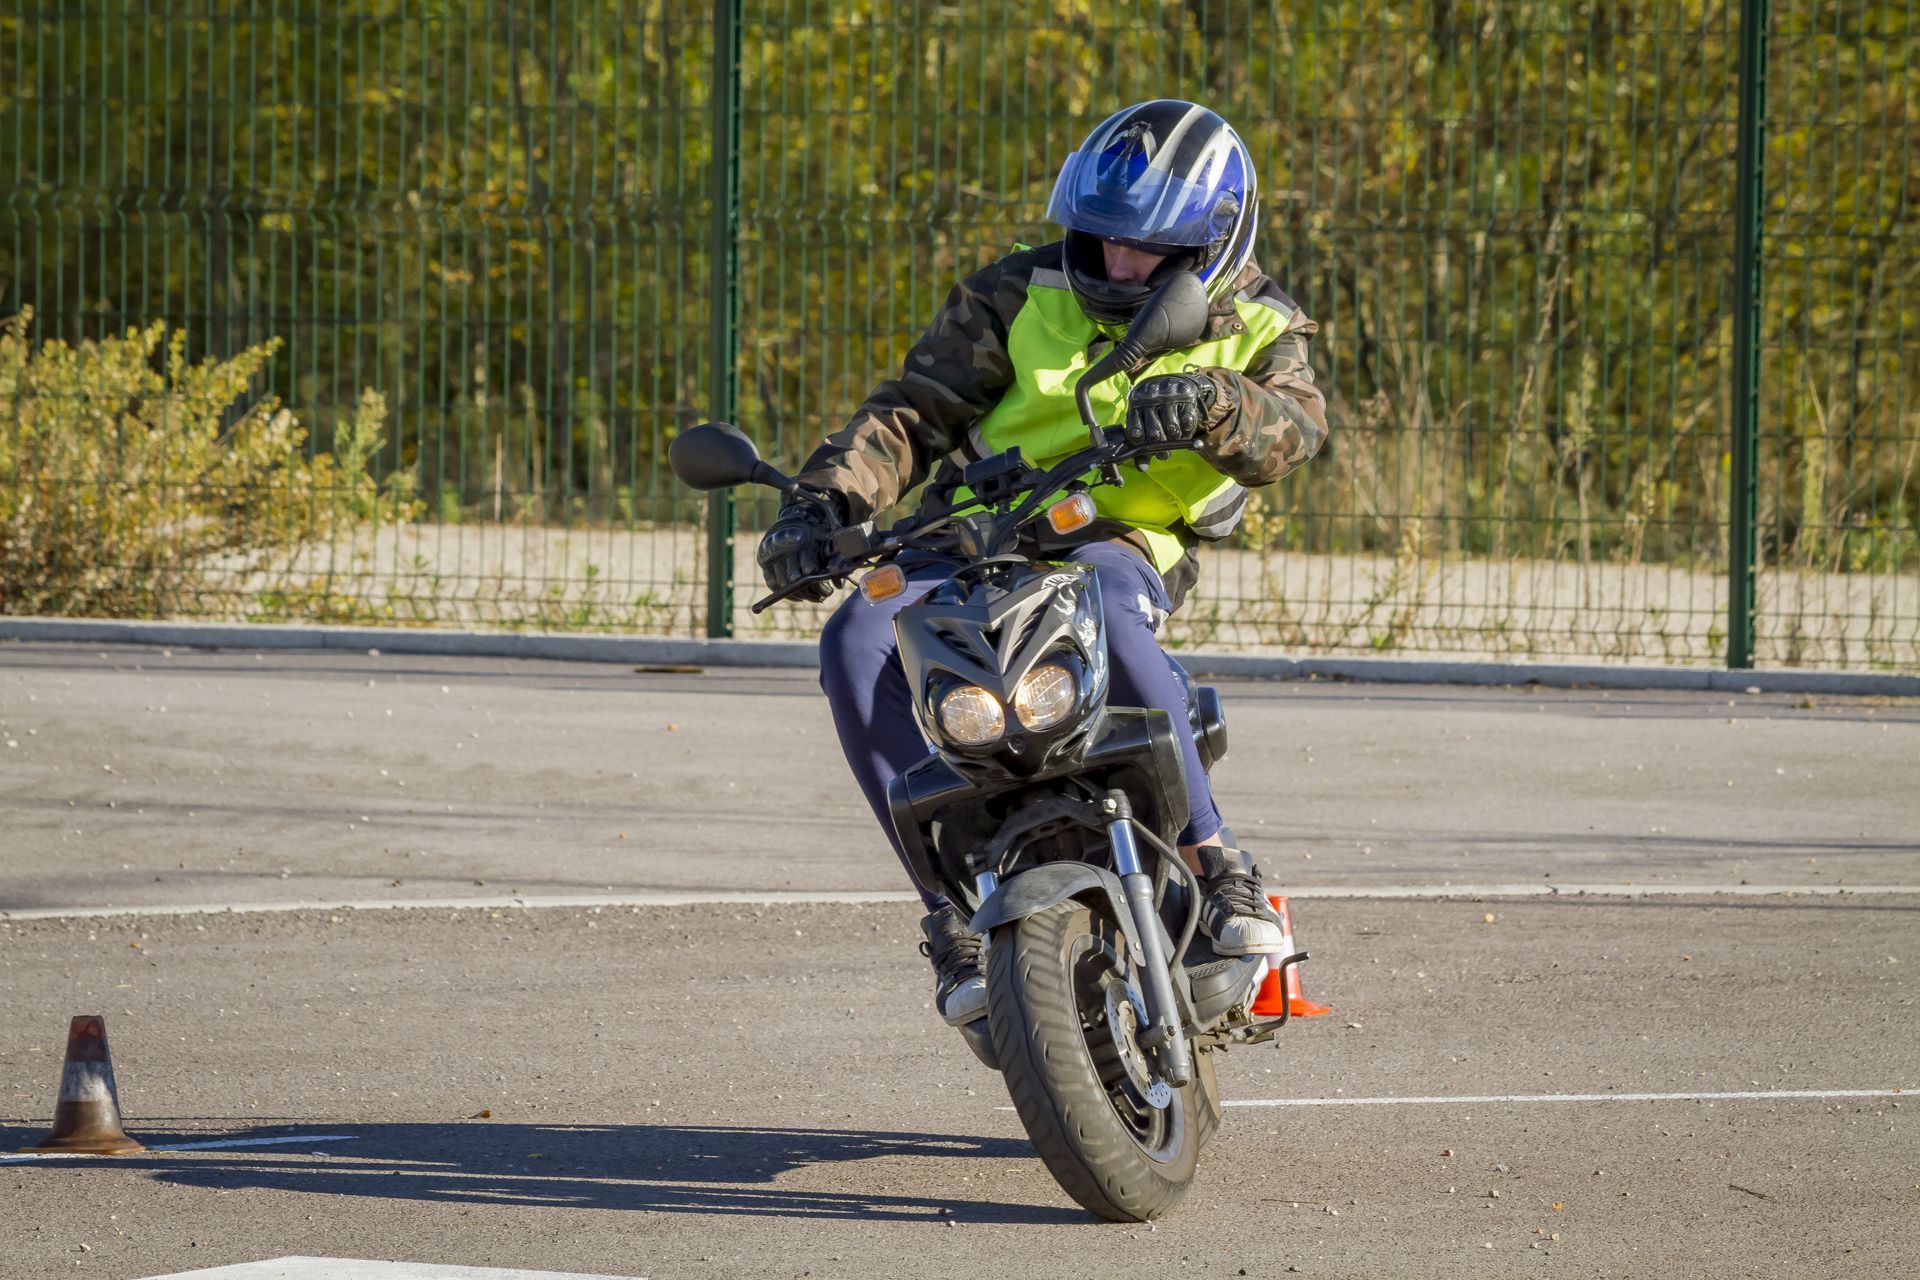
960 988
1234 910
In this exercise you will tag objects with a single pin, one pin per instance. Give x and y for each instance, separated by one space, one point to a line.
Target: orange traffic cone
87 1117
1281 994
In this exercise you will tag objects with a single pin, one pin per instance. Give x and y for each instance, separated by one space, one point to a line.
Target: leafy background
1512 219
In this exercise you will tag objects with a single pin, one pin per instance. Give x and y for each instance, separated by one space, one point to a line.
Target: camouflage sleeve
1270 418
953 375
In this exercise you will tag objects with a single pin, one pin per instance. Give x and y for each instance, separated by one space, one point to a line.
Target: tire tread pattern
1051 1077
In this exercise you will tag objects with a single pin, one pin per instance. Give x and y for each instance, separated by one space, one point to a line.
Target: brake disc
1126 1013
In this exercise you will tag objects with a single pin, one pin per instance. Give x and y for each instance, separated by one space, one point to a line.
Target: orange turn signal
1070 514
883 583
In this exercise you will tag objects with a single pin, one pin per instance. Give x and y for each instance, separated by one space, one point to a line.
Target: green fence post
724 254
1749 201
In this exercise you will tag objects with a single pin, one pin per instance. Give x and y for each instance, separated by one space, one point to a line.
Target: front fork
1164 1038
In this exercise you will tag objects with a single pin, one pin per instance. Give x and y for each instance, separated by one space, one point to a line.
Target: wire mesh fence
489 219
480 235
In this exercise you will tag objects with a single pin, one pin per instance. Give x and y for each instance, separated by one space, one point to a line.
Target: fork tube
1164 1033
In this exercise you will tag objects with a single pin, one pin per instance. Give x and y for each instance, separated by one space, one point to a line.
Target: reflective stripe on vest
1047 346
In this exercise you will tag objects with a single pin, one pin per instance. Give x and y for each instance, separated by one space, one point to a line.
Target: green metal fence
550 235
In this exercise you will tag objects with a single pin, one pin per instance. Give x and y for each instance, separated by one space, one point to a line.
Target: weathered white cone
87 1117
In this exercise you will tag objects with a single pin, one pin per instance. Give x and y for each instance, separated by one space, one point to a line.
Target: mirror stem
768 474
1083 397
791 488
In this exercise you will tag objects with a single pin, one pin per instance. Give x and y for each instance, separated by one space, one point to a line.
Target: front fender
1033 891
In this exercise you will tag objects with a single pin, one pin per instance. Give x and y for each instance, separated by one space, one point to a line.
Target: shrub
130 479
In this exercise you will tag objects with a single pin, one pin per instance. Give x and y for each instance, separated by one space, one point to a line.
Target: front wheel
1064 1020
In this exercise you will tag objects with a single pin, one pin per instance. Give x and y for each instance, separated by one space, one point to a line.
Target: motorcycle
1048 814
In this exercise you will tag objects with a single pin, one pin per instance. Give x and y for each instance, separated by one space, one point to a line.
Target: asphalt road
145 777
758 1090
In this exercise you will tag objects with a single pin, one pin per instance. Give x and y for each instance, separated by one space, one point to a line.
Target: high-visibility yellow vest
1047 345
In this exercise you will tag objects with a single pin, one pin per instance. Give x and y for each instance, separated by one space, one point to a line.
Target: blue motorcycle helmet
1168 177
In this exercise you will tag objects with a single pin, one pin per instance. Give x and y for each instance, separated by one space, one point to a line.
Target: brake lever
767 602
787 592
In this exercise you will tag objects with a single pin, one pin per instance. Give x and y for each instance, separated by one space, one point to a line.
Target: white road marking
789 897
1495 1098
26 1157
298 1268
641 898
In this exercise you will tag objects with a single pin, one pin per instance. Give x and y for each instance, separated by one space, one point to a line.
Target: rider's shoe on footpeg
1234 910
960 982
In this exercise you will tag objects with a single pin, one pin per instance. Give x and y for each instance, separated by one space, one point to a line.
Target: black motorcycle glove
1169 408
798 544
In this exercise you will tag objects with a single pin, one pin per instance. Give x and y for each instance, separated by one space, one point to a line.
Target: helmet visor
1122 197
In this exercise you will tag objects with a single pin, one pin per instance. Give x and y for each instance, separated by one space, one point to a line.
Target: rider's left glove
797 545
1169 408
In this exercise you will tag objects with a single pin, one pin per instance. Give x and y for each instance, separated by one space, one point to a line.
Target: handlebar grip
1122 450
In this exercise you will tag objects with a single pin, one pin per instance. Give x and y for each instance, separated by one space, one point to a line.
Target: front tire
1051 978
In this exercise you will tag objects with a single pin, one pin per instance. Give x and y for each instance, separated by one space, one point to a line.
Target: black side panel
1210 726
914 797
1170 773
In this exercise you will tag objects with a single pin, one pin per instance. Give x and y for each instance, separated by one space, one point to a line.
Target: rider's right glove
1170 408
798 544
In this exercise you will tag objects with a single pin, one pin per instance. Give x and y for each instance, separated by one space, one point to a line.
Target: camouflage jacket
1267 418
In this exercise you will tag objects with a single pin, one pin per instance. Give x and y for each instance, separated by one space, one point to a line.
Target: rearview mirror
718 455
1174 317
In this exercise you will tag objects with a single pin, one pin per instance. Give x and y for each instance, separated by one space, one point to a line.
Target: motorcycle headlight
971 716
1045 696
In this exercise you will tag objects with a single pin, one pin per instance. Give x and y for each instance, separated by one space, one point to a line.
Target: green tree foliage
135 486
485 215
1512 219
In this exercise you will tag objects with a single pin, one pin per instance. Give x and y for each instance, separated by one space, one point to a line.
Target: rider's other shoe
960 986
1234 910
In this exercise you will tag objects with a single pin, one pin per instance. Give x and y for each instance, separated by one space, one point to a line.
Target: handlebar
1104 457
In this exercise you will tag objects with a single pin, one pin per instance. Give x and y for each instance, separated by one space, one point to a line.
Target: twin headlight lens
971 716
1044 697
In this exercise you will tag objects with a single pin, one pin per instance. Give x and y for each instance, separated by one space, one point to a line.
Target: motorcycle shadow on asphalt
650 1168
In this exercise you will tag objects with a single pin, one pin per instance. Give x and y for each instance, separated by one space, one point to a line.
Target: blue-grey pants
873 707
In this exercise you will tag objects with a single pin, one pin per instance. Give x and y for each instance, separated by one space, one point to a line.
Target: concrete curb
673 651
643 650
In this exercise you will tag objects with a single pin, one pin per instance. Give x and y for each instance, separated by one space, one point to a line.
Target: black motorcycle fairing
946 812
990 625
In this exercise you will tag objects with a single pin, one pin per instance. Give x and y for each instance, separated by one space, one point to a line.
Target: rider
1160 187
